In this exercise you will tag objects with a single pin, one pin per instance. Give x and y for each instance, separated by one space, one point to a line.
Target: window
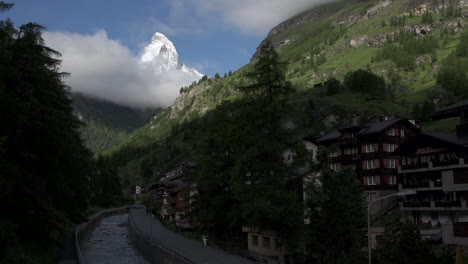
390 147
372 180
392 180
371 197
266 242
370 164
254 240
334 154
291 157
335 166
391 132
392 164
371 148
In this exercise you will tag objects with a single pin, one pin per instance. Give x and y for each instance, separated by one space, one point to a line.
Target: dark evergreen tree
244 174
333 86
366 82
335 208
45 167
402 243
426 110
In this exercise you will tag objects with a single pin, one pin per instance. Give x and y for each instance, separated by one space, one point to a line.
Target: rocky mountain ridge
162 56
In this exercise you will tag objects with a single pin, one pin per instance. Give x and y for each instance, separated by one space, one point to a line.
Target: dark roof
445 139
379 126
454 110
331 136
367 129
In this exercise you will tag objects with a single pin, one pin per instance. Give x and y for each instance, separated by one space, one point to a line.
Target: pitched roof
331 136
443 139
367 129
379 126
451 111
447 137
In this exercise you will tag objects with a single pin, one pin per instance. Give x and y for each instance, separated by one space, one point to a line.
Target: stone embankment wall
151 250
83 231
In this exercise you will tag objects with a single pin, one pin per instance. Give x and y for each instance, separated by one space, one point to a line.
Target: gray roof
379 126
367 129
331 136
449 137
451 110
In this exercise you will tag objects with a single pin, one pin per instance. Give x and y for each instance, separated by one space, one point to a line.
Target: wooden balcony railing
416 204
448 204
415 166
443 163
416 185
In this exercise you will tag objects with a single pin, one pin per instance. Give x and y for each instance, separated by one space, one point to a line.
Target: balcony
348 157
448 204
415 166
348 141
415 185
370 155
416 204
445 163
428 185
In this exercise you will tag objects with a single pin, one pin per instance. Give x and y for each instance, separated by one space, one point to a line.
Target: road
194 251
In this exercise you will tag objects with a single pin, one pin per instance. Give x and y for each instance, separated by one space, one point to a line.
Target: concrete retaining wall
83 231
151 250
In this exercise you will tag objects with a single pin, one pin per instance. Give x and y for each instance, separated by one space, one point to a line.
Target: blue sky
209 47
210 35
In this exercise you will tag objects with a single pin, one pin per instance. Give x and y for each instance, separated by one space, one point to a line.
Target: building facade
368 150
436 166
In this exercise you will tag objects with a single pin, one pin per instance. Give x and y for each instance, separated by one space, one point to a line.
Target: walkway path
189 249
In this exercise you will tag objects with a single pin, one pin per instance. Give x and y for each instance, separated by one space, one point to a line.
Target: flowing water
109 243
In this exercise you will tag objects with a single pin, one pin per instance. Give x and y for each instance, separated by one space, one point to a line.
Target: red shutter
364 165
376 147
376 163
363 148
396 146
397 163
397 132
385 147
386 179
387 132
365 181
386 163
377 180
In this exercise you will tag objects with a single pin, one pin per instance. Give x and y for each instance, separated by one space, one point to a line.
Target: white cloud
104 68
249 16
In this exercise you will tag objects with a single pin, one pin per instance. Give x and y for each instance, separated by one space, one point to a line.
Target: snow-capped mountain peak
162 55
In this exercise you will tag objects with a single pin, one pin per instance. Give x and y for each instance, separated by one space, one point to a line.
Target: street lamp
403 193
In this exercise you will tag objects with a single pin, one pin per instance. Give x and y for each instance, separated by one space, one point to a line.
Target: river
109 243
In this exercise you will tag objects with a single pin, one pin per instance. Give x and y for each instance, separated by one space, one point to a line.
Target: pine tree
244 173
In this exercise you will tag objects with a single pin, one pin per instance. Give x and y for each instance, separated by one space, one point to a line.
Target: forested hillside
107 123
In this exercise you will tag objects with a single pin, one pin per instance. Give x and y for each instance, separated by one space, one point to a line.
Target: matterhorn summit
162 56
